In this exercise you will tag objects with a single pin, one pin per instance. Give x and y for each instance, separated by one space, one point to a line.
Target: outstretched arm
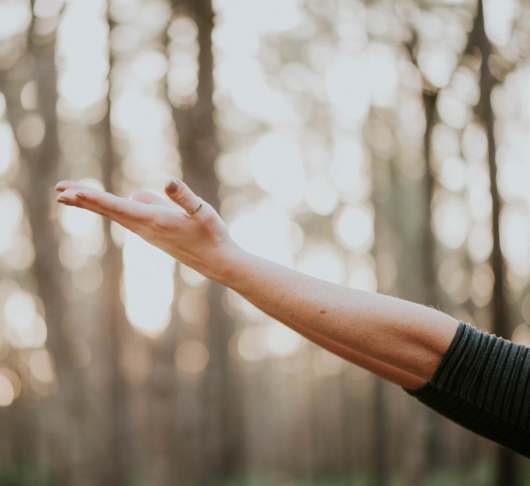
400 334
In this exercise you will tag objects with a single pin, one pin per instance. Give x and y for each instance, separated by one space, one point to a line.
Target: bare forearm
383 370
408 336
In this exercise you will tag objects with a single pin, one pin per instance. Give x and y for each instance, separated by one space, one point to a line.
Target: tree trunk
429 242
429 267
221 435
162 391
38 176
507 474
383 203
112 323
380 453
21 418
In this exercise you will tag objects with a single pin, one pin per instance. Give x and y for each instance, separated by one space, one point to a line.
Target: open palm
200 240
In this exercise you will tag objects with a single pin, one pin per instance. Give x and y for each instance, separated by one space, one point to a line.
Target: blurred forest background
382 145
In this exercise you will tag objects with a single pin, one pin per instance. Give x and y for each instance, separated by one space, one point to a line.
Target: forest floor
479 474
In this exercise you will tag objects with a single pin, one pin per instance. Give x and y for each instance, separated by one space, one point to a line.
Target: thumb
181 194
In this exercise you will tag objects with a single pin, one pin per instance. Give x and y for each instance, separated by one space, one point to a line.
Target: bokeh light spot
7 391
192 357
323 262
148 280
8 149
14 16
355 228
321 196
77 221
451 222
348 87
30 131
41 366
265 231
251 344
281 340
193 307
89 277
276 164
25 327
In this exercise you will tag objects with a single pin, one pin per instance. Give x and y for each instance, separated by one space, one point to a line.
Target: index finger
126 212
64 185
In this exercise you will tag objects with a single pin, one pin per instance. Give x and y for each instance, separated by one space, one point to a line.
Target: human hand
200 240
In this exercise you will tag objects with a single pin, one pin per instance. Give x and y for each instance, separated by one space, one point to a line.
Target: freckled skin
404 335
398 340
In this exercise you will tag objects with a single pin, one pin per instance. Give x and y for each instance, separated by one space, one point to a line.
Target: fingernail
172 186
79 195
62 200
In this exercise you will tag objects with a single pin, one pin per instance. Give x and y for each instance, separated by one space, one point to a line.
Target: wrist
224 263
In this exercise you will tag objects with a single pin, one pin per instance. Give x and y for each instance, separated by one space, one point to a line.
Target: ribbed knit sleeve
482 383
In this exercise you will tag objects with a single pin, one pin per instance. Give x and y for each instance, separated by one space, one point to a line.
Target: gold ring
193 211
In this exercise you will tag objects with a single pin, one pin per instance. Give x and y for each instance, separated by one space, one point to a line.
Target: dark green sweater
482 383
